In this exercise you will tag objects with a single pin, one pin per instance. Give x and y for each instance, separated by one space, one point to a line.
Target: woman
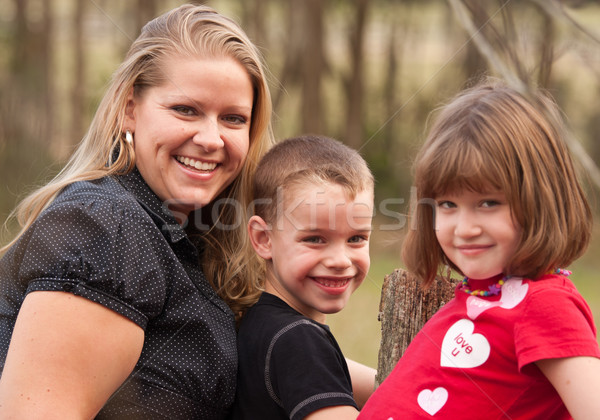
113 295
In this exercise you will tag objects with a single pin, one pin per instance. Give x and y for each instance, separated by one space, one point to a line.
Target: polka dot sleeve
97 248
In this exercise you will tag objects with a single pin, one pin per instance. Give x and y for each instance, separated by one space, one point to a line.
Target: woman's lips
196 164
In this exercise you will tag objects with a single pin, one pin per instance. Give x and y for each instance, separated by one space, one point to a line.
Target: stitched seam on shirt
268 383
318 397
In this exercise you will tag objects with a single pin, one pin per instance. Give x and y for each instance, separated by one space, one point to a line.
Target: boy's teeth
201 166
333 283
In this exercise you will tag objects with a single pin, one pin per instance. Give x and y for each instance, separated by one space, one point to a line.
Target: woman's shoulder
103 200
106 189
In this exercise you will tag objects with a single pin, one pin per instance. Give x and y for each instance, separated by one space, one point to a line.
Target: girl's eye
445 204
184 110
490 203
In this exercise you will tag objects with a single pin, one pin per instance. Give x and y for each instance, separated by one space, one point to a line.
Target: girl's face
476 231
192 133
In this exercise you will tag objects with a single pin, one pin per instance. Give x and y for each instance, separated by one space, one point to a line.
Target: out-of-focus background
367 72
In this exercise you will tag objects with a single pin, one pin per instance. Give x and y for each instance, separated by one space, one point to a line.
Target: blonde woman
118 297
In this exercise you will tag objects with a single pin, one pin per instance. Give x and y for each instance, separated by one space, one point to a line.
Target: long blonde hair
187 31
490 135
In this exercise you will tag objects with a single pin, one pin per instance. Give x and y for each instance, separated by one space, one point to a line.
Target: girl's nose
467 225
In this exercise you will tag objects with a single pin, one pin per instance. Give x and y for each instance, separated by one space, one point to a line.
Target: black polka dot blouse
111 241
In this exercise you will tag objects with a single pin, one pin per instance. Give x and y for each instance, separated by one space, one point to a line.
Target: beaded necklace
494 289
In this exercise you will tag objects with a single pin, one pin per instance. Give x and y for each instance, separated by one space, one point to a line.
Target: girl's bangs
463 167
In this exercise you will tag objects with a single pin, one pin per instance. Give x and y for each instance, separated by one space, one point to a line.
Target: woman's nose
208 135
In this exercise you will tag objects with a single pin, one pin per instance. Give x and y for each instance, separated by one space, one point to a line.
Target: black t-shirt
289 365
111 241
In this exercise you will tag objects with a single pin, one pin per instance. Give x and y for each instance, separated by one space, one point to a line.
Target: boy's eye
357 239
313 239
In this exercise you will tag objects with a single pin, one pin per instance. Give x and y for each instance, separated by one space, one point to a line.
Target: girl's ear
260 236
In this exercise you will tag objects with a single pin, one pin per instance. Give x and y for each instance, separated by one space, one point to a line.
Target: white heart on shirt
476 305
463 349
513 293
432 401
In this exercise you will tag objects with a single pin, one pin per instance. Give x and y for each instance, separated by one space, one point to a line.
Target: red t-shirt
474 358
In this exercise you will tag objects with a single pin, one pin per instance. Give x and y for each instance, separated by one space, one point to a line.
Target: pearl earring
129 137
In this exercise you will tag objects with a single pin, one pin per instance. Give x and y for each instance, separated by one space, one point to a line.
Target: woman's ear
260 236
129 112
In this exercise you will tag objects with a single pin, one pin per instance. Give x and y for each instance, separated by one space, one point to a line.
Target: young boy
312 222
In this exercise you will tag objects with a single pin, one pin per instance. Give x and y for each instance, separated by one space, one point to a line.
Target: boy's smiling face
317 250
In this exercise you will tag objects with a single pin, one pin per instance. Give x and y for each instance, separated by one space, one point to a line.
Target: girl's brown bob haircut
490 137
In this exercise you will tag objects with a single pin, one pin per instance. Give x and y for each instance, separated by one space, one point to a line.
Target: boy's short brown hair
307 159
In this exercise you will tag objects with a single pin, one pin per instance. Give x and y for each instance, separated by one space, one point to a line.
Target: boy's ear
260 237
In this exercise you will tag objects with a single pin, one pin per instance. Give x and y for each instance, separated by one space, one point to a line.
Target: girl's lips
196 164
473 249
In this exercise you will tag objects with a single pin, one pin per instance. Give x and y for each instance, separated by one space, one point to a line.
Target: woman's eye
184 110
236 119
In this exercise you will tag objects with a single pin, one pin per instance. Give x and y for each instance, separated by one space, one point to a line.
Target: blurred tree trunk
144 11
312 64
27 99
20 39
290 72
391 89
474 65
47 58
28 88
355 83
254 20
547 41
77 89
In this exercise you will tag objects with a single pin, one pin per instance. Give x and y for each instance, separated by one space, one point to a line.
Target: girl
498 201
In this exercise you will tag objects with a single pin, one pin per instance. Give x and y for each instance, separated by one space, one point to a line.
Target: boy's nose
338 259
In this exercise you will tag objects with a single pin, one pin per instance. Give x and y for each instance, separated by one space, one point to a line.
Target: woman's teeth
196 164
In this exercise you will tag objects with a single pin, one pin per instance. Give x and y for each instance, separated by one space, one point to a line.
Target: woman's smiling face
192 133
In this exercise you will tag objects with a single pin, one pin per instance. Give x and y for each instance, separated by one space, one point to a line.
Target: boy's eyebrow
354 229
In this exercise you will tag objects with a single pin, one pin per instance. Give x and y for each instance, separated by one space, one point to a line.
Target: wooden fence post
403 310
